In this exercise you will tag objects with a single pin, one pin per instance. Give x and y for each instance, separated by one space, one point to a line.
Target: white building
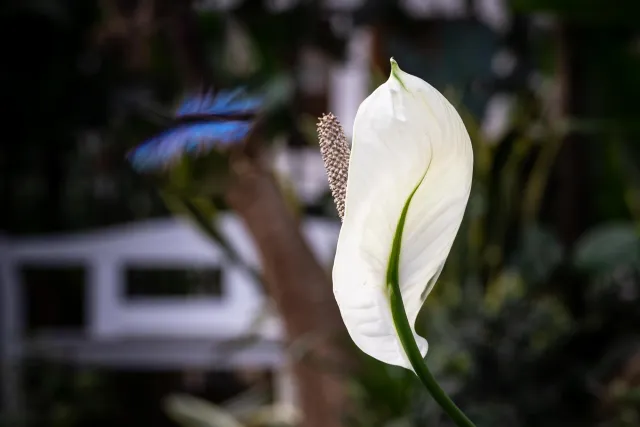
145 332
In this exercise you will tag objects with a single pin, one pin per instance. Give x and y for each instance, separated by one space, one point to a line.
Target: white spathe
406 135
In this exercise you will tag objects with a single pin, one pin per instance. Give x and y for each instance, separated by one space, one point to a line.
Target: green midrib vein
404 329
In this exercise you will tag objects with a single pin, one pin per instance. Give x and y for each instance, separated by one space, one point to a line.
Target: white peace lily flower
408 183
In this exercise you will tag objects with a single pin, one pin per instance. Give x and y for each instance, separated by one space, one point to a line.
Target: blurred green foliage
188 411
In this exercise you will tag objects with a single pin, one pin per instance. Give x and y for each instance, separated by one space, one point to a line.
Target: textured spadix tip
335 154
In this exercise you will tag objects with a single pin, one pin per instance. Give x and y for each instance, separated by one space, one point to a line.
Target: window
54 296
153 282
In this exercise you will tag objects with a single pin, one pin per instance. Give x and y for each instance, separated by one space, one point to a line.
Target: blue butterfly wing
225 102
168 147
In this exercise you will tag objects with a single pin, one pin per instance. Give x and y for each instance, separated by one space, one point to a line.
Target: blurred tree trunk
301 290
294 278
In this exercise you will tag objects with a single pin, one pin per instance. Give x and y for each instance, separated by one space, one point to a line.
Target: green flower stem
405 332
419 365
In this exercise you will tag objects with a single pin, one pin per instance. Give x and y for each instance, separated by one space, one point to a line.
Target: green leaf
189 411
207 175
508 286
539 254
606 247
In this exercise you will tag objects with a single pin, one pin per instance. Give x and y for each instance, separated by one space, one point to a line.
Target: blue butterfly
201 123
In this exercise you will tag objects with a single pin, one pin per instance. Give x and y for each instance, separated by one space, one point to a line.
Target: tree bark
301 290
